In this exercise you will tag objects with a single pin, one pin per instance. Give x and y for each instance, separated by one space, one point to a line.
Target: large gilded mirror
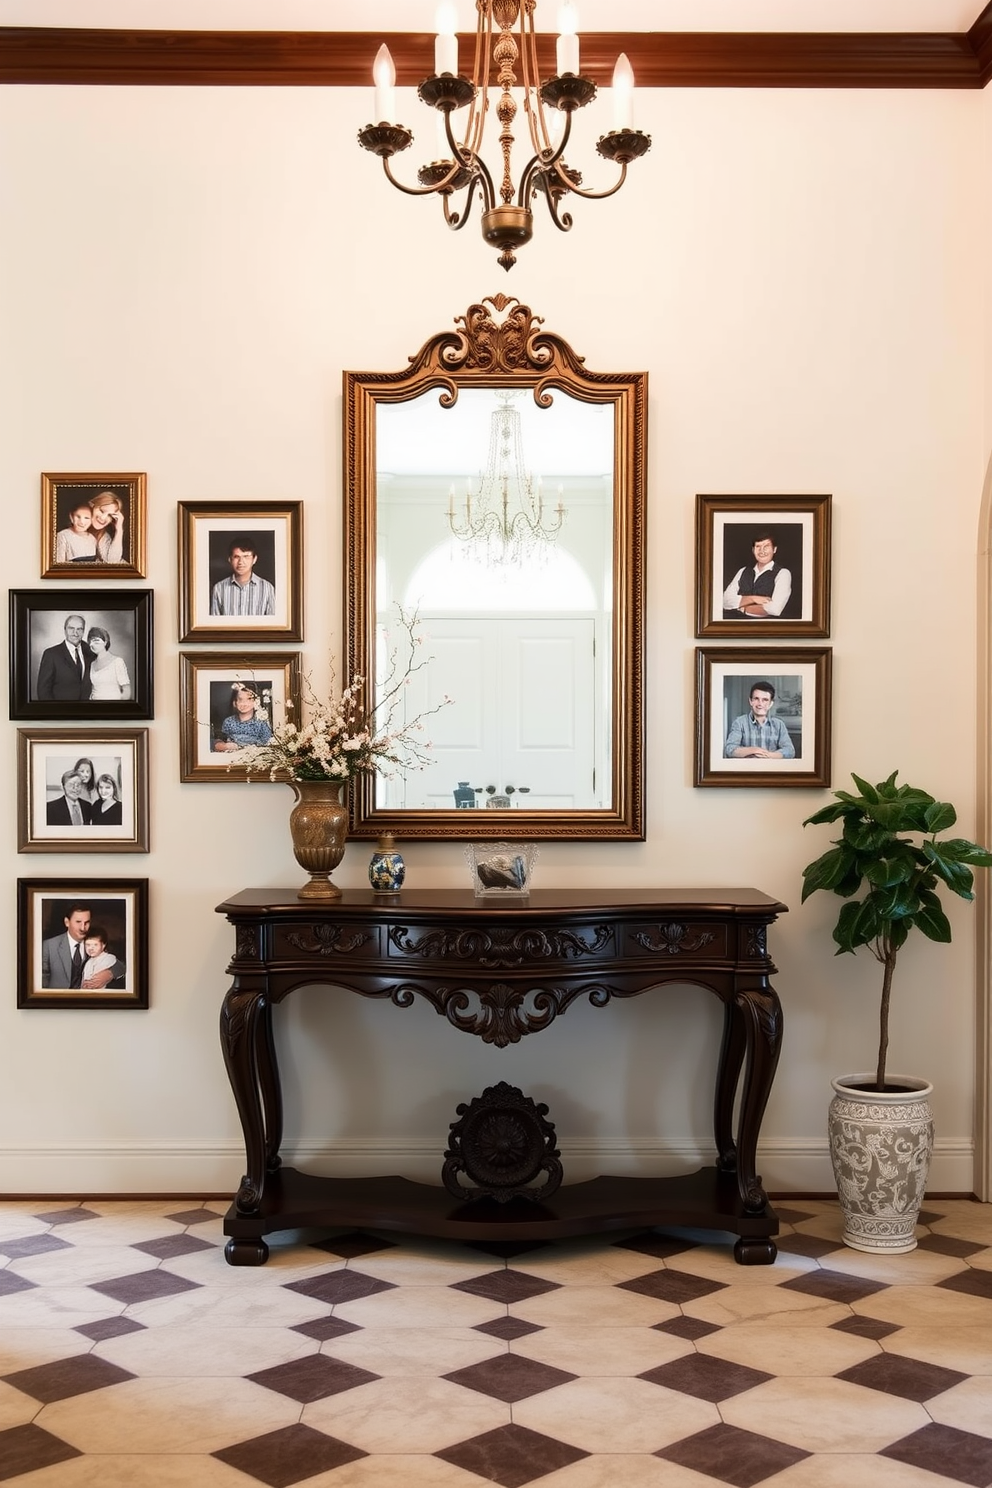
495 488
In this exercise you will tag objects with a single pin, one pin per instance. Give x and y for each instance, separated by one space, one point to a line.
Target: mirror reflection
495 524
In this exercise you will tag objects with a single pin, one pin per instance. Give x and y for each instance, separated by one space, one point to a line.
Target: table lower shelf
706 1199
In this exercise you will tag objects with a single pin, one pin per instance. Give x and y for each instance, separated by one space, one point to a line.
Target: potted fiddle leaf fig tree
888 866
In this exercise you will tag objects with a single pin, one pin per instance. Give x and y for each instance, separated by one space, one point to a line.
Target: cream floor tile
754 1303
595 1306
967 1406
628 1470
15 1223
400 1470
129 1228
16 1408
178 1352
410 1268
916 1268
421 1415
137 1207
781 1349
420 1351
190 1416
54 1307
615 1415
601 1351
966 1348
419 1307
23 1348
965 1221
854 1470
824 1415
224 1307
83 1265
127 1470
926 1307
716 1265
589 1262
209 1268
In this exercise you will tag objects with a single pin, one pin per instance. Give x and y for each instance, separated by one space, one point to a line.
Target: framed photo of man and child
228 700
82 790
82 943
763 566
240 571
89 661
93 527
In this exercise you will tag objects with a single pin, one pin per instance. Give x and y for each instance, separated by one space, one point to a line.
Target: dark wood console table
502 969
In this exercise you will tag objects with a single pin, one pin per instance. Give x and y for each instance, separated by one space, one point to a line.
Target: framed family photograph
82 943
228 700
763 716
82 790
240 571
91 661
763 566
93 527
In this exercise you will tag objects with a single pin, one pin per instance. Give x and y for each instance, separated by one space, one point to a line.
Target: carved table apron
500 969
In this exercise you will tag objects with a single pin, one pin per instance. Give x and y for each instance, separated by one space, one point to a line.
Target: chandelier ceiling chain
505 39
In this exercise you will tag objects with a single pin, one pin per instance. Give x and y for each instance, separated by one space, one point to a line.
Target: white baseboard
786 1166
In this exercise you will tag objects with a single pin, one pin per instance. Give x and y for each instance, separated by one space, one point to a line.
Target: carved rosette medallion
674 939
756 942
246 942
326 940
502 1145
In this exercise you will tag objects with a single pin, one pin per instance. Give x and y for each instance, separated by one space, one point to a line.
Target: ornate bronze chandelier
505 39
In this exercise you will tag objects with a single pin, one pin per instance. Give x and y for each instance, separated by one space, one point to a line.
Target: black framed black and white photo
240 571
82 943
89 661
93 526
763 566
82 790
763 716
228 700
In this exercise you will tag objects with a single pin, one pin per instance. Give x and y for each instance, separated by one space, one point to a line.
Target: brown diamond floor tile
511 1455
112 1327
672 1286
167 1247
946 1450
652 1244
11 1283
334 1287
193 1216
705 1376
930 1216
31 1245
949 1245
866 1327
312 1378
66 1216
509 1377
508 1328
144 1286
282 1458
352 1245
812 1246
894 1374
505 1286
326 1327
972 1283
730 1455
793 1216
834 1286
26 1449
66 1377
686 1327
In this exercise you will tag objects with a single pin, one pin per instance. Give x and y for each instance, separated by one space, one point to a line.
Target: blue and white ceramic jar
386 869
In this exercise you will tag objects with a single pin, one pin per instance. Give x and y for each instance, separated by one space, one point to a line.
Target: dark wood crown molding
343 59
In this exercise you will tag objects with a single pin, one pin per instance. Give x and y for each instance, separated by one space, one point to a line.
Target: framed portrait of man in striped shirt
763 716
240 571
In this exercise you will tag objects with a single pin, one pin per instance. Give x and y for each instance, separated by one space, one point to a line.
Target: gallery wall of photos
81 665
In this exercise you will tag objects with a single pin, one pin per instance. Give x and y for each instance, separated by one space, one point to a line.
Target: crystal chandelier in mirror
505 521
505 40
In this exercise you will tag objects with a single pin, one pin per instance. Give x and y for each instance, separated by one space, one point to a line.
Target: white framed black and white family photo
89 661
82 790
763 566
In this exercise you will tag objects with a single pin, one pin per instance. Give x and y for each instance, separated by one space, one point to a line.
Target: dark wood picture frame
37 628
117 906
61 496
205 682
800 680
274 530
726 530
43 757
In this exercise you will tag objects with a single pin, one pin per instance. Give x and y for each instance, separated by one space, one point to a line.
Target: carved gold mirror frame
501 344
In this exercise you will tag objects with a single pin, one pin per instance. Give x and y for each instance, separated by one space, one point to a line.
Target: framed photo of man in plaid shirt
763 716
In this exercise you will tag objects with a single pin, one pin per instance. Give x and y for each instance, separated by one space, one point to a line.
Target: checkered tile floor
133 1356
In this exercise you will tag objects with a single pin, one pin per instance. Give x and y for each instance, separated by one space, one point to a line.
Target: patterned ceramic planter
880 1147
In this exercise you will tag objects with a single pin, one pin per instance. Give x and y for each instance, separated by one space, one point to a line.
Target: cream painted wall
184 273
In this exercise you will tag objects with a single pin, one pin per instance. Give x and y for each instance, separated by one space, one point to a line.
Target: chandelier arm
599 195
456 220
465 157
562 222
409 190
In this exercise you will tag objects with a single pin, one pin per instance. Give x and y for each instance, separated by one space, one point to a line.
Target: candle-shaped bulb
567 48
446 41
623 94
384 77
